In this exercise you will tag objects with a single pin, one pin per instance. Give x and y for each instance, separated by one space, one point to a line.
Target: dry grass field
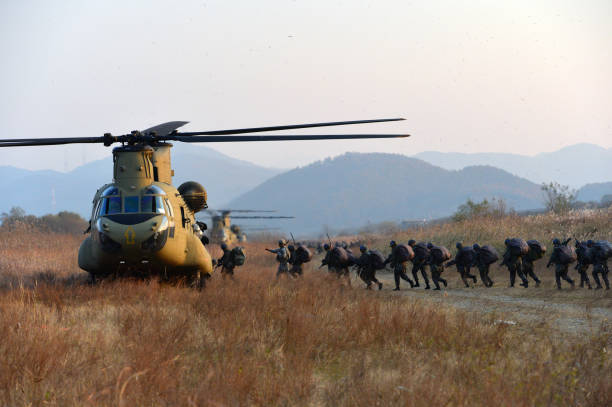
313 341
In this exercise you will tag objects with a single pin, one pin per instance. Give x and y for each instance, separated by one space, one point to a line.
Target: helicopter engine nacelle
194 195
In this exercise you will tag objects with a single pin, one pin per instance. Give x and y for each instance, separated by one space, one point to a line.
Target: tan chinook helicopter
223 231
142 225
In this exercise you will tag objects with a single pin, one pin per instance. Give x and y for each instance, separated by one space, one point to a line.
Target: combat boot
379 286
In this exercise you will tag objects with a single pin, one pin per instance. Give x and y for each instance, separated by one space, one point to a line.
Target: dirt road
570 311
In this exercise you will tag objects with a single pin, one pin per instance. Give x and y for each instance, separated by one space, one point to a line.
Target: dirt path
574 312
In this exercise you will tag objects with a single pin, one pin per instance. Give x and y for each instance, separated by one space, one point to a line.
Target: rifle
292 238
328 238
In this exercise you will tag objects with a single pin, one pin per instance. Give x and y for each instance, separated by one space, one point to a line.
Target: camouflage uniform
365 269
399 268
560 269
463 266
296 266
483 268
583 263
436 272
514 265
601 268
528 271
325 261
418 264
227 265
282 256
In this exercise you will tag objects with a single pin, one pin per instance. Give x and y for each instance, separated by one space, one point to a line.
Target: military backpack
238 256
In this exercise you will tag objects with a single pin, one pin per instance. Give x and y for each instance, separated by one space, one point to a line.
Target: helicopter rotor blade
165 128
49 141
286 127
167 132
242 210
263 217
229 139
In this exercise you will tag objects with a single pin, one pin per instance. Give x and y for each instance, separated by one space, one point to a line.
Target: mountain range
44 191
575 165
345 192
355 189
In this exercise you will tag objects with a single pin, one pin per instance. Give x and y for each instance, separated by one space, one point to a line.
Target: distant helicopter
141 225
224 232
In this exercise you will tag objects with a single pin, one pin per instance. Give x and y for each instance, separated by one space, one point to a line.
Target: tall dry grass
261 341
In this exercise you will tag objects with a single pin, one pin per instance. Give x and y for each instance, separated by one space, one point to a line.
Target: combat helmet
476 247
459 245
363 249
223 246
281 243
556 242
326 246
411 242
392 243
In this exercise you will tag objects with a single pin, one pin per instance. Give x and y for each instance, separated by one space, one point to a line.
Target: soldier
529 259
297 268
399 267
463 260
325 261
482 265
560 269
226 262
600 266
282 256
583 250
514 265
437 268
418 263
366 270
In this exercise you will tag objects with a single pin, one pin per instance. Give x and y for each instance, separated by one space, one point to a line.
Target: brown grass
258 341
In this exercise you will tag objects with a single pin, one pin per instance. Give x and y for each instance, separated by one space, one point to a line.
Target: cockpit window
152 204
154 190
111 205
110 191
130 204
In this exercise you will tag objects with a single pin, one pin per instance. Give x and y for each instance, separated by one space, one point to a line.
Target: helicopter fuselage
141 224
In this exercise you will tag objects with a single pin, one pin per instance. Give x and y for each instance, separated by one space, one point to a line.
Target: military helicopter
142 225
224 232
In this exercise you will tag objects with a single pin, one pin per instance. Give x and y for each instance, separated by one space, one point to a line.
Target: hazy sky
518 76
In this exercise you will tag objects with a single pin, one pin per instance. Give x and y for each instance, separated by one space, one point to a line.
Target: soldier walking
560 266
464 260
584 253
226 262
297 268
483 265
282 257
418 262
326 259
436 264
399 267
600 265
513 262
366 270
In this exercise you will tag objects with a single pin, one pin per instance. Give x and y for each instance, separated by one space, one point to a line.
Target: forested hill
354 189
